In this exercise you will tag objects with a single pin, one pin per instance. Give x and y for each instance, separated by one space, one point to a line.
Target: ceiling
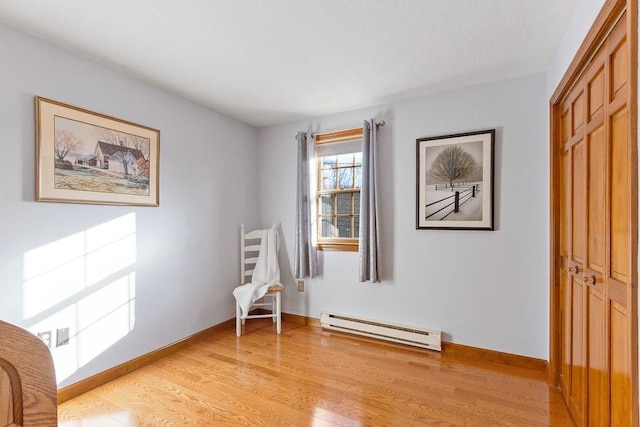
266 62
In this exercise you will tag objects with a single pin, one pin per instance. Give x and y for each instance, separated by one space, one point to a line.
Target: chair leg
278 312
273 307
238 321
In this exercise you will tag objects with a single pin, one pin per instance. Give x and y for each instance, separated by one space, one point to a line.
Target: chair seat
275 288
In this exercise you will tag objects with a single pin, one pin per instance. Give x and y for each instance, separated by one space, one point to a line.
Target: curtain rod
378 126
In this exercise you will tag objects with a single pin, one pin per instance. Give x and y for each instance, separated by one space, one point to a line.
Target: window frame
335 243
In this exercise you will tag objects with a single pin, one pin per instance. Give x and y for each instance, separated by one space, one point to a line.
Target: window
339 166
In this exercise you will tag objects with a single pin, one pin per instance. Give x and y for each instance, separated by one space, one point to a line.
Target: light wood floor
307 377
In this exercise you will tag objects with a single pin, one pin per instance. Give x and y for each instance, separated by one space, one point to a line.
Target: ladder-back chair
249 249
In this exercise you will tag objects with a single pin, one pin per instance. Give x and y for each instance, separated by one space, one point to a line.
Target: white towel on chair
265 273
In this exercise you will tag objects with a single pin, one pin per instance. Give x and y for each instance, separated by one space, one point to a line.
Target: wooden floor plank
310 377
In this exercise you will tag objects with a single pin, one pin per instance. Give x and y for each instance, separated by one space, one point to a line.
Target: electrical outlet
62 337
300 285
45 336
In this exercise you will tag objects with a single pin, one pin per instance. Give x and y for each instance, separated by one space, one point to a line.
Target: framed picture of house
454 181
87 157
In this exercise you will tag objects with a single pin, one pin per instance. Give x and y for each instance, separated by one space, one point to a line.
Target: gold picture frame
87 157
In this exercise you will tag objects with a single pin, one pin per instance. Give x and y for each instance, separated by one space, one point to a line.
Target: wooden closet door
597 209
573 252
618 276
596 235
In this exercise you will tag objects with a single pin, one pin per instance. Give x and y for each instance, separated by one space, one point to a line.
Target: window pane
345 178
358 177
345 159
338 212
328 162
326 227
344 203
344 226
326 204
329 179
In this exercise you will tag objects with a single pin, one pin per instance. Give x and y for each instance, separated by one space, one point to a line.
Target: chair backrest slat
255 234
249 249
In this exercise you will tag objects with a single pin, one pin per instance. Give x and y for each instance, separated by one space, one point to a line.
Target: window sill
351 246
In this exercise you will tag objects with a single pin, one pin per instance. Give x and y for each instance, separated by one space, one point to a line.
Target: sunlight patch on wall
53 273
105 317
111 247
85 282
96 322
61 269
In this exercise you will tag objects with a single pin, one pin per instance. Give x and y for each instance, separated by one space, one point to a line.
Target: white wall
180 278
576 31
486 289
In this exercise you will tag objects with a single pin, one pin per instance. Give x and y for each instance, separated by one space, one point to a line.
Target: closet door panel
620 198
577 392
596 208
597 372
620 367
578 203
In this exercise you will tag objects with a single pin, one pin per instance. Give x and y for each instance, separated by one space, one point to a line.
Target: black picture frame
455 180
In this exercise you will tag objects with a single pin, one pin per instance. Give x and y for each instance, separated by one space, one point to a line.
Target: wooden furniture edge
83 386
29 396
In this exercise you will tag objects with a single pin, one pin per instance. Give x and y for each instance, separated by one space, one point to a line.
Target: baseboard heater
425 338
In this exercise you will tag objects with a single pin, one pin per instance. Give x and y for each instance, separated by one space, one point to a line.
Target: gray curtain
305 256
369 251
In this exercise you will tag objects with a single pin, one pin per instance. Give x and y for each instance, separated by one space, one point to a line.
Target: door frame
608 16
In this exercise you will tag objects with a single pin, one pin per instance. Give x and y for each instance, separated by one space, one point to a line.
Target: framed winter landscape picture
87 157
454 181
